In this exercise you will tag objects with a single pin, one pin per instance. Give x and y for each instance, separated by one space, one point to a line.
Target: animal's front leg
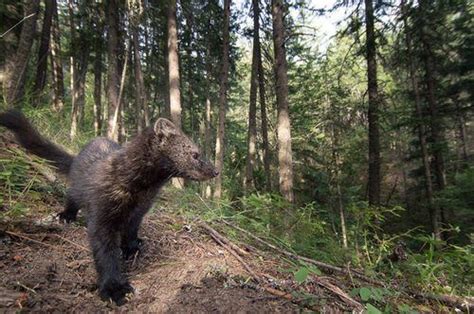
131 243
104 240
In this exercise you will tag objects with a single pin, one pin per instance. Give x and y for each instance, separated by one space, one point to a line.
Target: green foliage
447 270
20 183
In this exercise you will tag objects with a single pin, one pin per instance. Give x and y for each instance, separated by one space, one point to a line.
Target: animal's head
183 156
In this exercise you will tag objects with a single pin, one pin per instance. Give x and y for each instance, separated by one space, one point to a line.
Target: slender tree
224 77
15 67
43 50
430 82
374 178
285 155
252 129
113 68
173 73
434 211
56 62
98 82
261 94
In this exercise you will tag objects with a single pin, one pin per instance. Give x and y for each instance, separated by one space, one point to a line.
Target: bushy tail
30 139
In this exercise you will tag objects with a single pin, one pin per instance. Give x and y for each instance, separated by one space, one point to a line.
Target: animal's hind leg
70 210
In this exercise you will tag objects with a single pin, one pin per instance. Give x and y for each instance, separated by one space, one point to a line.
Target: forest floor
47 266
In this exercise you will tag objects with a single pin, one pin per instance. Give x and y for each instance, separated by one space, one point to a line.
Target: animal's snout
215 173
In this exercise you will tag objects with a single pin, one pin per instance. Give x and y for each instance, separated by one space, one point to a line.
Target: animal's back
86 165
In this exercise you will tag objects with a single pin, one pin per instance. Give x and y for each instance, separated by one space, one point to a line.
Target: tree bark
285 158
252 129
433 210
462 146
224 77
374 177
43 50
15 68
173 72
98 85
140 89
435 121
56 62
79 59
113 69
263 118
73 71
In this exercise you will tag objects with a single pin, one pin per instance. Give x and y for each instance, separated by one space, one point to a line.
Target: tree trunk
98 88
56 62
73 71
374 178
43 50
252 130
79 59
285 159
173 72
435 121
113 68
461 136
15 68
224 77
11 14
433 211
207 142
336 167
140 89
263 118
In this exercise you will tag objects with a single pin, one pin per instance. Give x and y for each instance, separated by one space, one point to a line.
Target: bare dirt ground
48 267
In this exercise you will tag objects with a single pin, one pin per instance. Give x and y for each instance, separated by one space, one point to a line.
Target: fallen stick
306 259
73 243
464 303
233 253
21 236
235 247
339 292
287 296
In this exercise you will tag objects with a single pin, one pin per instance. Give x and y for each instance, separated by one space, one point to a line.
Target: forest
341 132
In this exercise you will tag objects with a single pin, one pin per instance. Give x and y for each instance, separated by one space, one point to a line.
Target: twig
21 21
25 287
235 247
285 295
237 257
73 243
338 291
306 259
18 235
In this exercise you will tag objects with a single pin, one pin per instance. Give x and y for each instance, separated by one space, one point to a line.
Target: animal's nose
215 173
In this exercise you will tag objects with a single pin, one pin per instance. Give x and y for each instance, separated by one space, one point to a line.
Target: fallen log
463 303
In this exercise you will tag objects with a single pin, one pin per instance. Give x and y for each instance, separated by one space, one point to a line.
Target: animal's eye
195 155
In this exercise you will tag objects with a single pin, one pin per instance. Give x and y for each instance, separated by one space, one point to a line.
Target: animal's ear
165 127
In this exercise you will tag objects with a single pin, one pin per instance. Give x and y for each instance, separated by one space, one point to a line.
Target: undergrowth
307 231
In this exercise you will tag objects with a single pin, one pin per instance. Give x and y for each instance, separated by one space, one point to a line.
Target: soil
47 266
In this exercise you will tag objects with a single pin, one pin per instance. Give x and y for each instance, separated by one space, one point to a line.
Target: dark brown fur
116 186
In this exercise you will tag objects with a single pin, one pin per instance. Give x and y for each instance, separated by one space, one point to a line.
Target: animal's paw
64 216
132 248
115 290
